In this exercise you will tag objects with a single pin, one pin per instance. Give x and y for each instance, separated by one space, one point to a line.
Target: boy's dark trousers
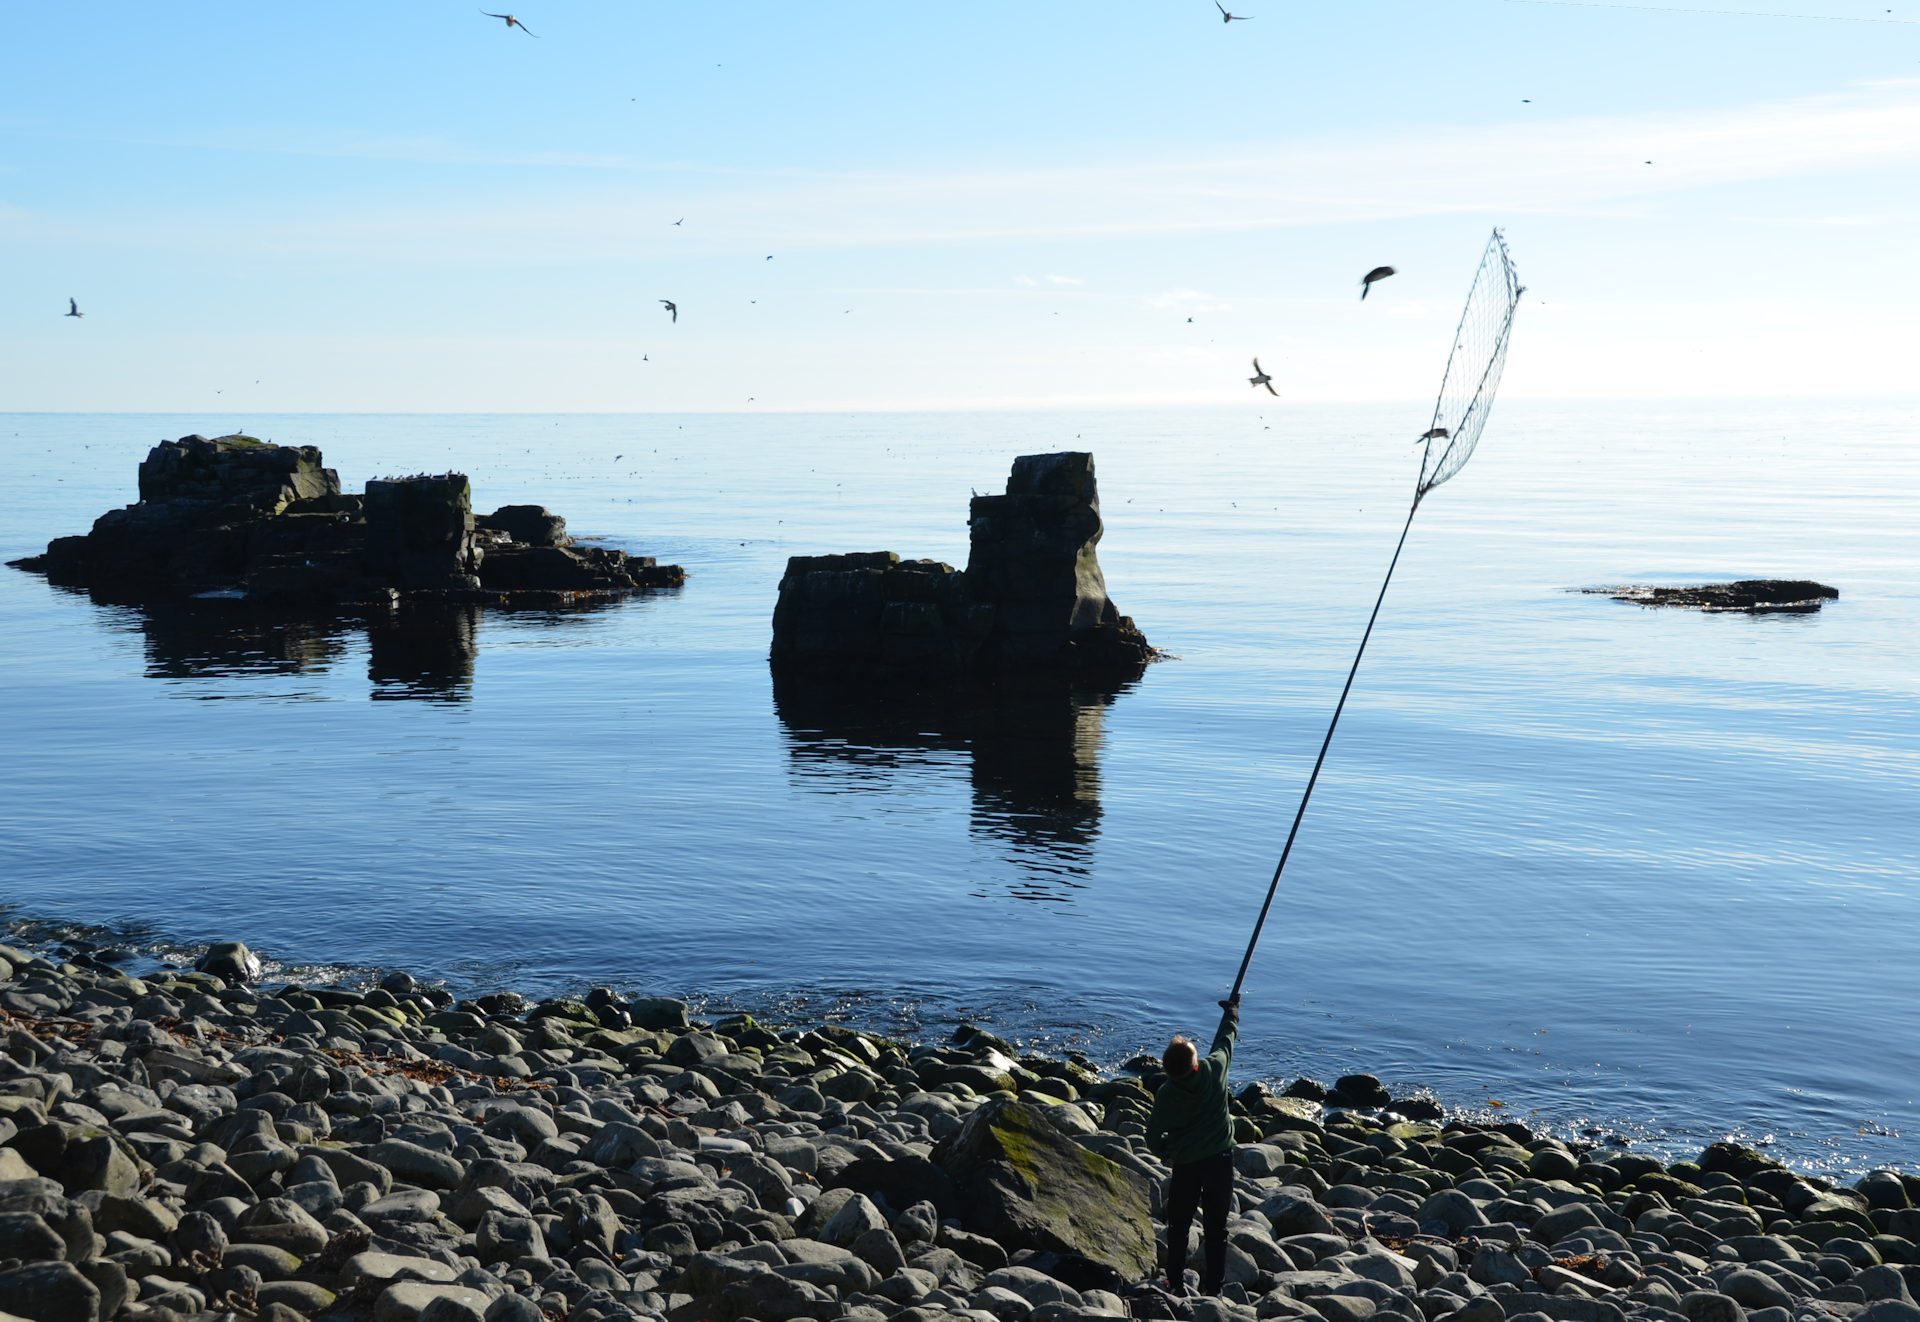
1206 1184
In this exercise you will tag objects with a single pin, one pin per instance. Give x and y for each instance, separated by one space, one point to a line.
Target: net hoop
1473 368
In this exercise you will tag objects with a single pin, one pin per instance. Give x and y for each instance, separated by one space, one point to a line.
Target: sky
354 207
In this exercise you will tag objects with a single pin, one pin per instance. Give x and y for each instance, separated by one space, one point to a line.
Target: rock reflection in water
418 650
1032 757
424 651
185 643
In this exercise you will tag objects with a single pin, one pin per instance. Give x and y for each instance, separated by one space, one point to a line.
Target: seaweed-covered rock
1024 1183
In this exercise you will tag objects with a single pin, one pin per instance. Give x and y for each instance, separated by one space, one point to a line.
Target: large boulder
1021 1181
230 961
530 525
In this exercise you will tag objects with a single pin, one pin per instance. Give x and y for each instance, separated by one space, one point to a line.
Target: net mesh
1473 368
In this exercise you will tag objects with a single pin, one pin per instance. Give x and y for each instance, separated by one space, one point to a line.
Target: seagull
1366 281
73 309
672 307
512 22
1260 378
1225 17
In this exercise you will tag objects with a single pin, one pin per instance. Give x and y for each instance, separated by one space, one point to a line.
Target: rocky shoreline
192 1144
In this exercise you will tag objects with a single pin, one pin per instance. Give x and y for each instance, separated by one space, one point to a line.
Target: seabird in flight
512 22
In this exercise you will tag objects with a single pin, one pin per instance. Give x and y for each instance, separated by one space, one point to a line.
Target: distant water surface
1646 872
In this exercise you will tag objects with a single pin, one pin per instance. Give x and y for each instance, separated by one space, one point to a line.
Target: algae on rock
1024 1182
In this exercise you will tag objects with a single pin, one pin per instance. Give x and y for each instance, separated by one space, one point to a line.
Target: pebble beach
196 1145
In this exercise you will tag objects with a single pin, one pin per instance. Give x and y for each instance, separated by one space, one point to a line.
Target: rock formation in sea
1754 596
1031 600
236 517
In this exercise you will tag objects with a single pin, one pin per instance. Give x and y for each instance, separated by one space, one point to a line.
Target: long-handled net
1459 416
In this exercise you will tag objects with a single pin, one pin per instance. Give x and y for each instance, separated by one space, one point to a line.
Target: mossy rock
1670 1187
1733 1159
1025 1183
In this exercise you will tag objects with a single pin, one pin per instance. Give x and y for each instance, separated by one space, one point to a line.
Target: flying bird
1435 434
1260 378
678 221
672 307
1366 281
73 309
511 21
1225 17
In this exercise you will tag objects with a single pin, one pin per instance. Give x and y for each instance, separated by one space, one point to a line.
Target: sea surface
1645 873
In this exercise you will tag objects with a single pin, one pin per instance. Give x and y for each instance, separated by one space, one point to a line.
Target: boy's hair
1180 1058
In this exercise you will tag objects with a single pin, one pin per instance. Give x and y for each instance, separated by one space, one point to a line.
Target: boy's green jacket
1191 1119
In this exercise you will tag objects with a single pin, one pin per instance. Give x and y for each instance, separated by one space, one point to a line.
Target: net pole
1274 887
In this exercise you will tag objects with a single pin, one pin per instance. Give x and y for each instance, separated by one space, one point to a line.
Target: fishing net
1473 368
1466 395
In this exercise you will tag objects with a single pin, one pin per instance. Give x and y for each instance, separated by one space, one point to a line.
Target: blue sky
357 207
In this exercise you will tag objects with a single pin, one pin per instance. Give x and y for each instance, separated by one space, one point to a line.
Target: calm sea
1651 873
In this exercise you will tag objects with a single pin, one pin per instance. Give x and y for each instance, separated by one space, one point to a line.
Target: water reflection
421 651
1032 757
424 651
187 643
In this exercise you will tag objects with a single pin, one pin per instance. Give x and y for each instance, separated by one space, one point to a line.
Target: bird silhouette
672 307
1260 378
1225 17
1435 434
1366 281
73 309
511 21
678 221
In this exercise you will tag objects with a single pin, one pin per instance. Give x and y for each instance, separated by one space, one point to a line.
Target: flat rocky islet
187 1145
1753 596
236 518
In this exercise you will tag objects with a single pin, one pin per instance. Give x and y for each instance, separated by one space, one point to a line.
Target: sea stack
1032 600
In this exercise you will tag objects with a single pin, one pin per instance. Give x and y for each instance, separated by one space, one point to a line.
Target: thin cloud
1578 166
